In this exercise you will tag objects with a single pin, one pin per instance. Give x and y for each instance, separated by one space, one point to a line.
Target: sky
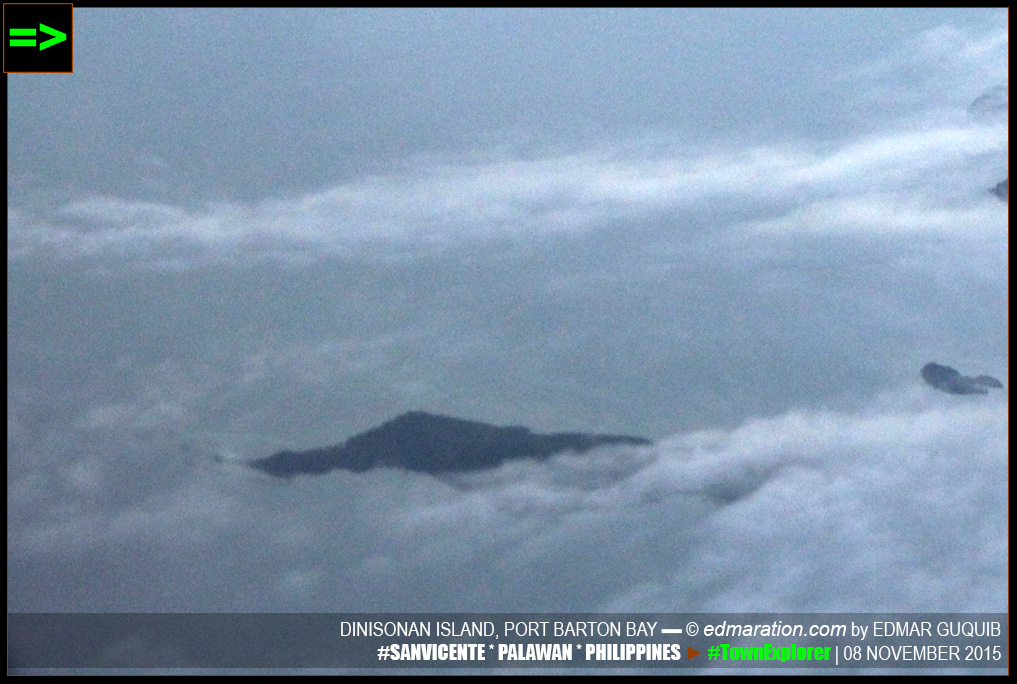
738 233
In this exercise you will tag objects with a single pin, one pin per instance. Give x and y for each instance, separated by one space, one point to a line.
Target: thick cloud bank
901 507
440 205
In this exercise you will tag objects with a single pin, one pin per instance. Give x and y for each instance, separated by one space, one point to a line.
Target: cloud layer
437 204
892 509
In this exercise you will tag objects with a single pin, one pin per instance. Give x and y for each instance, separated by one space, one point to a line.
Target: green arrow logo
58 37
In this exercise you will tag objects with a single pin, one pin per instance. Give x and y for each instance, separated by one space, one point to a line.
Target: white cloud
442 204
885 214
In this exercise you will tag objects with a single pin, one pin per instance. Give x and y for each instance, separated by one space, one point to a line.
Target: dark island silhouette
950 380
1002 190
428 443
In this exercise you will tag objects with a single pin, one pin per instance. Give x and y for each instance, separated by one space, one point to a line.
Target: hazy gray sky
207 104
739 233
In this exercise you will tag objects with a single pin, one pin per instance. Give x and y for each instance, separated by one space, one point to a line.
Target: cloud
946 64
886 214
432 202
443 203
898 509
